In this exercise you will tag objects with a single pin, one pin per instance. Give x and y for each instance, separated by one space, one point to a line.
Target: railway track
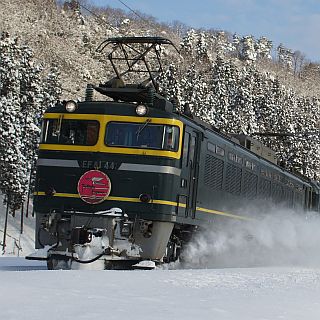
20 264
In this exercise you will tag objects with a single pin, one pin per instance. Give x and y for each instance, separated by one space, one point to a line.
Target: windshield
75 132
142 135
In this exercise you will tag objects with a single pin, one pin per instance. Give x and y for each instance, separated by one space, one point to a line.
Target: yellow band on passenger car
100 146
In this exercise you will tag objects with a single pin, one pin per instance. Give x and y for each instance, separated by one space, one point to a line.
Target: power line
139 16
133 11
97 16
129 8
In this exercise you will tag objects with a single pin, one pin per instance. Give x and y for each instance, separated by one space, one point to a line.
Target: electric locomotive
131 180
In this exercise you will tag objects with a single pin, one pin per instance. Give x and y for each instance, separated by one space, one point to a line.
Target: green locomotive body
120 182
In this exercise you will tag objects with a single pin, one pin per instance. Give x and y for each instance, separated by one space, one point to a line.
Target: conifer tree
23 98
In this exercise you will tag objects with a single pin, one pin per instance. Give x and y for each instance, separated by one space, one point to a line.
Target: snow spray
277 237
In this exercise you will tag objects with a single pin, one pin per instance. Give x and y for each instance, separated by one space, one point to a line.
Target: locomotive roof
125 40
111 108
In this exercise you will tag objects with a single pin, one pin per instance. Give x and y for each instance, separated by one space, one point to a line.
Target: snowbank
233 294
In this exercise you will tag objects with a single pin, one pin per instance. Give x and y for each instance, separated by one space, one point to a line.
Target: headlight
71 106
141 110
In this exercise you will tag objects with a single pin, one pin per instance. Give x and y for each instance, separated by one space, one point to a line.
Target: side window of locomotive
232 157
211 147
235 158
73 132
192 150
142 135
185 155
171 138
220 151
215 149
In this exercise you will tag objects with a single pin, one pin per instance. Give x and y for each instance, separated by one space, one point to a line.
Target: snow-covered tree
222 94
169 84
201 46
221 43
188 42
285 56
263 48
23 98
248 49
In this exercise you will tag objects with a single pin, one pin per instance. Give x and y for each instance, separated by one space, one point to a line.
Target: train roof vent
256 147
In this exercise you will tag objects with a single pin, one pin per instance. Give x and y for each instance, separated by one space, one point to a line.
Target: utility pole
5 226
21 218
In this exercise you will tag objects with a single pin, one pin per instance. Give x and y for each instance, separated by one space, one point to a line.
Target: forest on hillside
239 84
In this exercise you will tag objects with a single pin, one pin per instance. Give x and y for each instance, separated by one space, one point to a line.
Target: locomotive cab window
142 135
73 132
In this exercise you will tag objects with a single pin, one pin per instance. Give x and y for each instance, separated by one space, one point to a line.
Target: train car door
187 198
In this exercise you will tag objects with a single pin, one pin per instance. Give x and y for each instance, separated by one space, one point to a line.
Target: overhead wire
129 8
139 16
109 24
103 21
133 11
97 16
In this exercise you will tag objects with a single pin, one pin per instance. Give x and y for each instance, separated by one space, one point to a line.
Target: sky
294 23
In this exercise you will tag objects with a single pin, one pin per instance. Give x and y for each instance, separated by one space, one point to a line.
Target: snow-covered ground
210 286
237 294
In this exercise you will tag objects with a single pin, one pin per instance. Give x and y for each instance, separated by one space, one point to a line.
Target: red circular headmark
94 186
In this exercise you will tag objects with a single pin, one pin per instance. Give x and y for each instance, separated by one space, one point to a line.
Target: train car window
142 135
73 132
232 156
235 158
276 177
248 164
211 147
219 151
239 159
186 143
